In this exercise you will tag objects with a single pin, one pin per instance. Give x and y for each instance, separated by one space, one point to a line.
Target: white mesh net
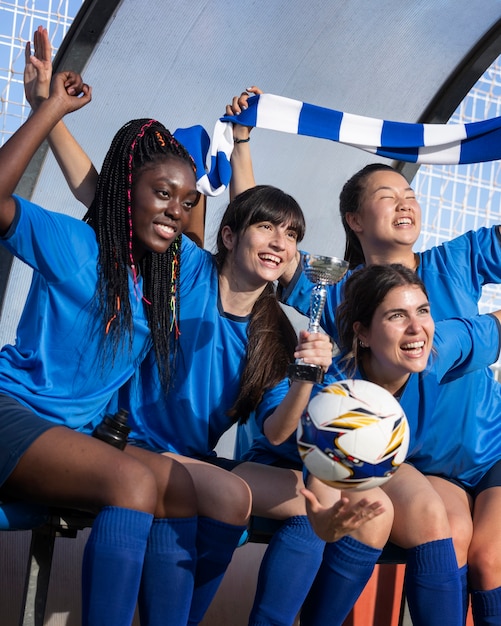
18 21
458 198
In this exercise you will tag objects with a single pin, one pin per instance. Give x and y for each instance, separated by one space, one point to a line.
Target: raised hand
241 161
69 89
38 68
238 104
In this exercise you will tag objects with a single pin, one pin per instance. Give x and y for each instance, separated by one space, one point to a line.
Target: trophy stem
317 303
321 271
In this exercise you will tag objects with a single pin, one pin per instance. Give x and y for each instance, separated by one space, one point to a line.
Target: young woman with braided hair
143 201
84 329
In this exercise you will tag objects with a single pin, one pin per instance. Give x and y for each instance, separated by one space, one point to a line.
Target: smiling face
163 194
400 337
389 216
261 253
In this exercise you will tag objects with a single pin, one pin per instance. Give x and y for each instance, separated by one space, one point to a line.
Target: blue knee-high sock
112 563
465 592
433 585
486 607
346 567
216 542
287 571
168 572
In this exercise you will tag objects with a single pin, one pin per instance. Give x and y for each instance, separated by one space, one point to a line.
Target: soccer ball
353 435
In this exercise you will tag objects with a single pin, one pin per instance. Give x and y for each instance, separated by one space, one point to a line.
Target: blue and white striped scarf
416 143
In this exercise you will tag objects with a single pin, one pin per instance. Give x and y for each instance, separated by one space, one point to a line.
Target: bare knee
462 529
376 532
177 496
132 485
238 501
484 565
226 498
419 521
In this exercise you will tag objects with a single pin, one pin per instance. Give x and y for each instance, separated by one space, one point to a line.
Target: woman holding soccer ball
382 220
386 335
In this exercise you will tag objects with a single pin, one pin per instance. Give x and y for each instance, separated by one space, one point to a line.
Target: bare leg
275 491
66 468
458 505
432 579
420 514
484 558
221 495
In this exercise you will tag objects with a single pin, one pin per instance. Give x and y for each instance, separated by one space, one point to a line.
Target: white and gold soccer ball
353 435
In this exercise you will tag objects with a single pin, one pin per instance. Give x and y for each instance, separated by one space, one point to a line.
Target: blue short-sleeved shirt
454 274
55 365
210 358
462 346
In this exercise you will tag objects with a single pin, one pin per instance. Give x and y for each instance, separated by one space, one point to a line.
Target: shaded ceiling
182 62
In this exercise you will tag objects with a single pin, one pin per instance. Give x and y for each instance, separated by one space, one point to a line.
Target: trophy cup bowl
321 271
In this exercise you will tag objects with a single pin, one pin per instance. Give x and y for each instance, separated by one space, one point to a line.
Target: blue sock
216 542
287 571
112 563
486 606
346 567
433 585
168 572
463 577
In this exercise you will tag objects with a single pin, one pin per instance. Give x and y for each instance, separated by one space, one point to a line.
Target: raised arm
76 166
17 152
242 177
313 348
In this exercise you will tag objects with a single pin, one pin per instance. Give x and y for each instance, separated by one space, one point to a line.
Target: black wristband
241 140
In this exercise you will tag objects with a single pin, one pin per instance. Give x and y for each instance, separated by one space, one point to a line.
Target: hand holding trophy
322 271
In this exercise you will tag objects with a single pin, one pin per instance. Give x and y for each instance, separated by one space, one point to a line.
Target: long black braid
136 144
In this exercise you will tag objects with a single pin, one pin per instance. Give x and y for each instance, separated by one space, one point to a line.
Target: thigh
220 494
66 468
275 490
176 494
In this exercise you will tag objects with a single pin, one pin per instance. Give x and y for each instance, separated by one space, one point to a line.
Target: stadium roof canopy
181 62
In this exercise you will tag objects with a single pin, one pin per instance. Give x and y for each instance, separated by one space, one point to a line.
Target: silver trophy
322 271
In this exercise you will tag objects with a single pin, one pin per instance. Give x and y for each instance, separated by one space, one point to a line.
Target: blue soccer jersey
210 358
462 346
55 366
468 409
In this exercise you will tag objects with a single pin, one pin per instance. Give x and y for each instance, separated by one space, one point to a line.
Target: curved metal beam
74 52
457 86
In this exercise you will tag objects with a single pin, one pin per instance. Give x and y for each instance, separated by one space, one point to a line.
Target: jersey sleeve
196 264
456 271
271 399
465 345
53 244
